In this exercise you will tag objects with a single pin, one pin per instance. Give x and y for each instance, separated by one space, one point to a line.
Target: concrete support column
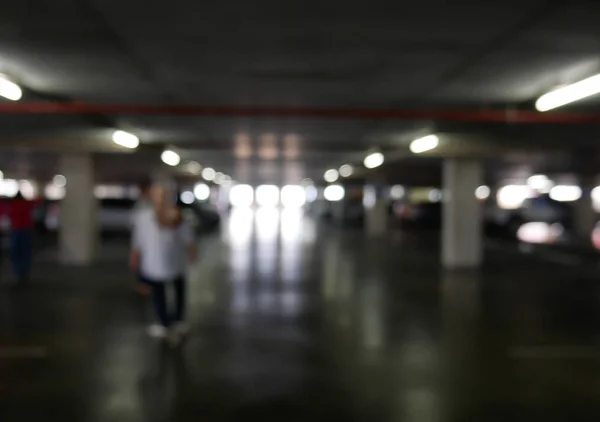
585 216
376 211
78 211
462 245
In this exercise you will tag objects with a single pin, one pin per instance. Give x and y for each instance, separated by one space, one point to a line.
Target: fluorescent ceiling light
201 191
346 170
565 193
482 192
170 157
241 196
334 193
424 144
293 196
373 160
331 175
59 180
208 173
194 168
397 192
569 94
125 139
9 89
187 197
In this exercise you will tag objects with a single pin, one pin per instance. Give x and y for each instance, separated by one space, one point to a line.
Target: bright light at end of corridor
9 188
426 143
331 175
209 174
569 94
482 192
293 196
9 89
311 193
373 160
565 193
125 139
334 193
267 195
241 196
201 191
187 197
170 157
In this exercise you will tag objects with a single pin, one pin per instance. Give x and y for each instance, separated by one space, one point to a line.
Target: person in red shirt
21 224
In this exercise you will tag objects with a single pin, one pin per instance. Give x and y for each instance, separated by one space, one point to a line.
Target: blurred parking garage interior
395 203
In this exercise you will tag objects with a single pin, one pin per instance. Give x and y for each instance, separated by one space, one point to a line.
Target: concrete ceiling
431 54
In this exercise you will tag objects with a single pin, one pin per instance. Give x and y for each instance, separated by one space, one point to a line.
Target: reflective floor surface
296 321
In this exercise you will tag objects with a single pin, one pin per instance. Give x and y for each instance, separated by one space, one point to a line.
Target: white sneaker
157 331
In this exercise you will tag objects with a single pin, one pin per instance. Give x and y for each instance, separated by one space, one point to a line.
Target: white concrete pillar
78 211
376 211
585 216
462 245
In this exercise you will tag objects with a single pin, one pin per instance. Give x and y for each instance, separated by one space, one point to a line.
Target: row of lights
172 158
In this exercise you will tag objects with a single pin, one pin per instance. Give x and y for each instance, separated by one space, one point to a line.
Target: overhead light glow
540 182
482 192
311 193
219 178
539 232
9 187
28 189
241 196
187 197
9 89
565 193
334 193
125 139
434 195
373 160
511 197
194 168
293 196
208 174
331 175
201 191
397 192
267 195
59 180
54 192
170 157
346 170
424 144
568 94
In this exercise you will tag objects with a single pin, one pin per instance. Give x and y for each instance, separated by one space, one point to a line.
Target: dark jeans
159 296
20 252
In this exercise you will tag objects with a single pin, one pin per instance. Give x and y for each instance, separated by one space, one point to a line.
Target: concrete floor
295 322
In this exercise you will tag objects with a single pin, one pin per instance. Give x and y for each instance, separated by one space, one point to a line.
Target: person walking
161 241
21 236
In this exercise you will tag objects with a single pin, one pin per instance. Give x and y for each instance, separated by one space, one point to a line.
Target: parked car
202 216
114 215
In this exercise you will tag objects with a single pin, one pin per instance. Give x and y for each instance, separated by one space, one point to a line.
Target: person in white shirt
161 242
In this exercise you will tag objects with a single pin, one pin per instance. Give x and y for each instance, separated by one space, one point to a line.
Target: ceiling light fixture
9 89
208 174
568 94
125 139
373 160
331 175
170 157
346 170
194 168
424 144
